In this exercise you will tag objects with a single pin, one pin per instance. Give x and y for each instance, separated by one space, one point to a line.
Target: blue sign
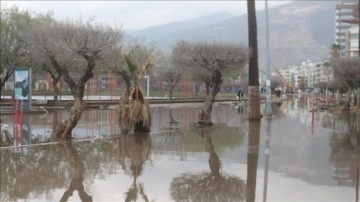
22 87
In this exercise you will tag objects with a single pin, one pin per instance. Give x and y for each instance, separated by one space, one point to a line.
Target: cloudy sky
137 14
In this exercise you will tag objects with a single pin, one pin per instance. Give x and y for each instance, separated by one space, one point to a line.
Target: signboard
22 87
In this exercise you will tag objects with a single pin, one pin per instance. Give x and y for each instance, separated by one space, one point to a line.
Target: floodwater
296 155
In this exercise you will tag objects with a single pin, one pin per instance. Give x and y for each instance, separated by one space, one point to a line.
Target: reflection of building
344 159
344 151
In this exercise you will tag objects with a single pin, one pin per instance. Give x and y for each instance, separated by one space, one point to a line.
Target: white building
352 41
346 12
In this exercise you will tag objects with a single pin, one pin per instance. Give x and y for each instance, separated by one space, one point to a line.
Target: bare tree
347 69
75 49
14 46
167 70
55 75
212 59
42 63
172 77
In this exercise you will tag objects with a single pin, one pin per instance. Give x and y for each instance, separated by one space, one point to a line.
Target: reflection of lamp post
147 85
267 155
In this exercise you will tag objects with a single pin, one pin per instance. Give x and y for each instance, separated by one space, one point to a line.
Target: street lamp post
268 84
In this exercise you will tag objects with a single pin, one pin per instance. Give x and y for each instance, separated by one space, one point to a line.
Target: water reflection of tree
205 186
252 158
345 148
278 109
77 168
134 151
327 120
34 174
172 121
45 165
5 137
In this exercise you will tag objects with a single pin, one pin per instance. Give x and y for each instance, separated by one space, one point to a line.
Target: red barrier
22 122
16 121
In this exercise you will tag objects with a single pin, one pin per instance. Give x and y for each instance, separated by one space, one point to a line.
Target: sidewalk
41 105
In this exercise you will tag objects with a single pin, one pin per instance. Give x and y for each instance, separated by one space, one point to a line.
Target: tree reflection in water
252 158
77 171
345 149
134 151
171 118
213 186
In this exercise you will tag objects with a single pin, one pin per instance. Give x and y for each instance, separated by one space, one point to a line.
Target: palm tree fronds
135 112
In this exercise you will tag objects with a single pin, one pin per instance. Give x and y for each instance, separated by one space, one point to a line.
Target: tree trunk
355 98
55 76
5 79
205 113
358 98
254 103
125 77
1 87
254 95
128 84
207 88
170 94
347 101
63 130
56 90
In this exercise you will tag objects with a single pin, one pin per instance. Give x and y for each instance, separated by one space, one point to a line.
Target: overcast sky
137 14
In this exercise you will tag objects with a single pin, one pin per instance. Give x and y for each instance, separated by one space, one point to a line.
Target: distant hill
156 33
299 31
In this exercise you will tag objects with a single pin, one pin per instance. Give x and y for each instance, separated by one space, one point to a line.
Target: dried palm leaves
134 111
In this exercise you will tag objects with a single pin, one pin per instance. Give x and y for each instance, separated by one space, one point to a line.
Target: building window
354 44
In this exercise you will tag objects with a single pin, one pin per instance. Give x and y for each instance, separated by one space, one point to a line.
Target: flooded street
296 155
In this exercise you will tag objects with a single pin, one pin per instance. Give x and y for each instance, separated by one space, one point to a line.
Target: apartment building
307 75
346 19
352 40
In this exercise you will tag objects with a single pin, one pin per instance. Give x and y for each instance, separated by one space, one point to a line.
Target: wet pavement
296 155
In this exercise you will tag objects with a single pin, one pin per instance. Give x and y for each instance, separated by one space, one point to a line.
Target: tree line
76 51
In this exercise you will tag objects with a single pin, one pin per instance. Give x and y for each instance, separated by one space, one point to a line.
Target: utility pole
268 103
268 84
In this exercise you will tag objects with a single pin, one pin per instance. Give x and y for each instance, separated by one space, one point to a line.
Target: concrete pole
268 84
147 86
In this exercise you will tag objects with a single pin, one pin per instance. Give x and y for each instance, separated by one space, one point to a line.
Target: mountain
156 33
298 31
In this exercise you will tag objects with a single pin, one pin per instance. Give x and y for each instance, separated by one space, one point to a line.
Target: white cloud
137 14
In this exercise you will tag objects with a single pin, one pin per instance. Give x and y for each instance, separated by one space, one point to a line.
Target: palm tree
134 113
254 94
